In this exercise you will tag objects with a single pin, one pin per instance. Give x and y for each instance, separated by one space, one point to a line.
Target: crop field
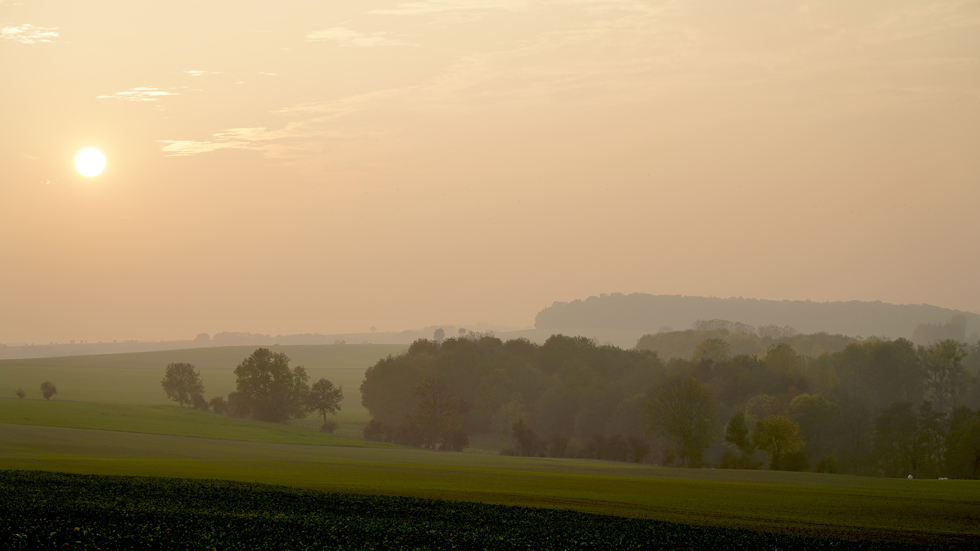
61 510
920 511
135 378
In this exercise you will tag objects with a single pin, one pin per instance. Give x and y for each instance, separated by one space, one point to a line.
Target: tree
681 411
218 405
20 393
817 418
737 433
944 371
182 382
268 389
325 398
526 441
933 429
715 350
439 334
437 416
777 435
963 449
896 443
48 390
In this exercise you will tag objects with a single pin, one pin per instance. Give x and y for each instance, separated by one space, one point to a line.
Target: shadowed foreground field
927 512
110 512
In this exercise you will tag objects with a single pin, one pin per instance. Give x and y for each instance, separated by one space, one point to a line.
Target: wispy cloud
426 7
349 37
201 73
145 93
29 34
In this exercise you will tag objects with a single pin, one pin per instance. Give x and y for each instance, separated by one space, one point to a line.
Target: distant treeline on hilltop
653 313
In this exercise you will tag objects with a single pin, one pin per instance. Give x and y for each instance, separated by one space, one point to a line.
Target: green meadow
110 417
170 420
917 511
135 378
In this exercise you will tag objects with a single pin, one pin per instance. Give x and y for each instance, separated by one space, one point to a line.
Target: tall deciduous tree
325 398
896 444
438 416
269 389
944 372
777 435
182 382
48 390
737 432
682 412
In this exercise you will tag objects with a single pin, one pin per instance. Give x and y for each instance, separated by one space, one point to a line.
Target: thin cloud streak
351 38
142 94
29 34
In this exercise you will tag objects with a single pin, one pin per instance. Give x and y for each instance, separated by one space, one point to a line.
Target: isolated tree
462 331
269 389
439 334
48 390
683 412
20 393
182 382
777 435
325 398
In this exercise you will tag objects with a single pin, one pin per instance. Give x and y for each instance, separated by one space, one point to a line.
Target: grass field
170 420
919 511
135 378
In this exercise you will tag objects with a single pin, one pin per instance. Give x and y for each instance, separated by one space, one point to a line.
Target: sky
307 166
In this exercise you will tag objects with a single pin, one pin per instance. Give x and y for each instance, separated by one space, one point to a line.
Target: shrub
219 405
48 390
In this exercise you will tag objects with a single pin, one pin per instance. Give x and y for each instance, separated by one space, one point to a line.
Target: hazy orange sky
300 166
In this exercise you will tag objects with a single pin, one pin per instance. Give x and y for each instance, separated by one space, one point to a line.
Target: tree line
873 406
266 389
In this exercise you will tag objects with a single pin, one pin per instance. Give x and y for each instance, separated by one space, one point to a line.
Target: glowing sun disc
89 162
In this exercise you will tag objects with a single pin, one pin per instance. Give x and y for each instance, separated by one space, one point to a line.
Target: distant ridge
650 313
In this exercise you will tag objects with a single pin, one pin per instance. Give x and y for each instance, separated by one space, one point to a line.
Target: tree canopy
681 411
324 398
268 389
182 382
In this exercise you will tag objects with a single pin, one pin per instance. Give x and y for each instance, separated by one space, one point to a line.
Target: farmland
135 378
58 510
920 511
111 418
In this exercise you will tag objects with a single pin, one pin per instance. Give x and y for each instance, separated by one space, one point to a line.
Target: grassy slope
172 420
923 511
135 378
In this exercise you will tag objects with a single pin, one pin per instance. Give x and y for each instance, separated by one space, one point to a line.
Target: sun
89 162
